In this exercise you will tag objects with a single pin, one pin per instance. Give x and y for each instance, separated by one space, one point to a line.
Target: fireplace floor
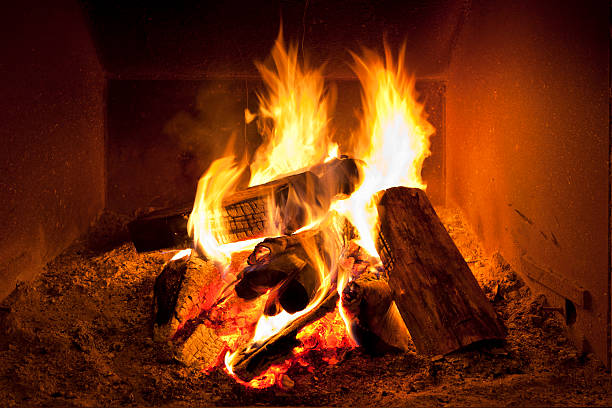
80 335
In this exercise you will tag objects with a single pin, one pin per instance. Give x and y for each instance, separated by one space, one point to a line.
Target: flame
206 224
293 116
393 140
293 119
181 254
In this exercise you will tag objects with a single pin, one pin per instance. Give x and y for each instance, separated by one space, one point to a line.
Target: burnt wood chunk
180 291
283 266
435 291
284 205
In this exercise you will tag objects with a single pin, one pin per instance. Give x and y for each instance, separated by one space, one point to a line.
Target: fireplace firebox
118 109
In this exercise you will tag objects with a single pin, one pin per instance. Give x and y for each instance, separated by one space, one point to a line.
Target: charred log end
340 176
166 289
285 270
160 229
294 297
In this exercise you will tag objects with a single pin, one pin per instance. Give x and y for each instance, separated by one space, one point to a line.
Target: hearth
141 157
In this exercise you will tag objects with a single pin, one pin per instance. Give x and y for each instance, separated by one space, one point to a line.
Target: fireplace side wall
52 114
528 149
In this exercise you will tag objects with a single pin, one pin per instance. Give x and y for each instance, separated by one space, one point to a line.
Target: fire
393 141
294 116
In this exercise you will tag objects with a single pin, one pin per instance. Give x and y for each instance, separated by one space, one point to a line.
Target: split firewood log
181 290
285 205
375 321
435 291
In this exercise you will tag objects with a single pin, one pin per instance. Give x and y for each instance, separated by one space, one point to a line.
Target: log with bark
285 205
435 291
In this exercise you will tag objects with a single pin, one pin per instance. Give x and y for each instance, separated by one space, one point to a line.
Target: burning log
292 200
436 293
285 204
299 253
253 360
375 321
180 291
283 264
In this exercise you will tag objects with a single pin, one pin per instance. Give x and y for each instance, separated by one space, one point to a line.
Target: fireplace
119 109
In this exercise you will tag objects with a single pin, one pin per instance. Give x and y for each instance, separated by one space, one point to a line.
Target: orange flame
206 223
293 116
393 140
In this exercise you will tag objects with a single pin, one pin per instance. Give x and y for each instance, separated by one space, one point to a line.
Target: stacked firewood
421 295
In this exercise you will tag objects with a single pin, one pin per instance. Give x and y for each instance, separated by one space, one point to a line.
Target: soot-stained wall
528 148
52 132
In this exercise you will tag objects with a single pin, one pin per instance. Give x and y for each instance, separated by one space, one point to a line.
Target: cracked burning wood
285 204
436 293
294 259
289 266
253 360
283 266
179 296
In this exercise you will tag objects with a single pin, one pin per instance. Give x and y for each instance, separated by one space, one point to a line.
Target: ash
80 335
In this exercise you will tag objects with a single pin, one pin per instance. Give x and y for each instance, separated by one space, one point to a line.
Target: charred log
435 291
292 200
252 361
340 176
160 229
283 264
178 294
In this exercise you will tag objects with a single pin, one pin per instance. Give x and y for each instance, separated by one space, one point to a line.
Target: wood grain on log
435 291
178 294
